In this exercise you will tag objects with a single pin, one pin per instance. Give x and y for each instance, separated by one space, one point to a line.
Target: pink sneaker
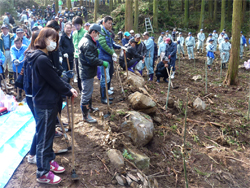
54 167
49 178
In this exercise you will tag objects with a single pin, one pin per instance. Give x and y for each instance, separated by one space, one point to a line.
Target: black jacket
130 54
47 87
54 57
141 49
161 70
71 15
66 46
88 58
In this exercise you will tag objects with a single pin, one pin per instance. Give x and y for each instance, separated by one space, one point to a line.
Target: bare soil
217 142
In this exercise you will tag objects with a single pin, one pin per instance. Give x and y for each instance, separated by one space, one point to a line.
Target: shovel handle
16 78
63 129
68 63
120 79
72 132
106 87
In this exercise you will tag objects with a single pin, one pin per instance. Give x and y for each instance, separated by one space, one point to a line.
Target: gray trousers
87 90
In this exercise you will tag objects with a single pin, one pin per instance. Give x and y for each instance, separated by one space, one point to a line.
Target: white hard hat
132 31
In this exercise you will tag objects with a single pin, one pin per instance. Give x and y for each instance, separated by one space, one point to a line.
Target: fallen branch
104 165
237 160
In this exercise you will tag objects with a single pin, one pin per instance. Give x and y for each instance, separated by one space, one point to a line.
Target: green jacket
2 43
77 36
104 43
60 3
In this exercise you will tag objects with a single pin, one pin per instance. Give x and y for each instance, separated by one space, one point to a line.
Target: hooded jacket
17 54
66 46
47 87
88 58
141 48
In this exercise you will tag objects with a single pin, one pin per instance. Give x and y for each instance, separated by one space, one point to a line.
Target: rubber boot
103 96
85 114
183 55
91 108
140 72
198 51
131 68
109 91
151 76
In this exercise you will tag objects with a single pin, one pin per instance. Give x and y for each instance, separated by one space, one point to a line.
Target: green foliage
6 6
127 155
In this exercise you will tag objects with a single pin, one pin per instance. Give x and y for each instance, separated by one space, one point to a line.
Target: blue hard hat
241 32
190 33
226 38
162 33
167 31
201 29
180 33
224 29
214 31
222 33
211 40
210 34
152 38
127 34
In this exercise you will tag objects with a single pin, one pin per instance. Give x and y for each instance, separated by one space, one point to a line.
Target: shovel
17 87
66 137
176 87
74 176
125 60
120 81
107 95
67 100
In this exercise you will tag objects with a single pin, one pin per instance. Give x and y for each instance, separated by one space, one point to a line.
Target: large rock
116 158
199 104
140 101
139 127
135 80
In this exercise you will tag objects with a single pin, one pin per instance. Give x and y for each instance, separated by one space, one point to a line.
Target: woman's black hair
53 24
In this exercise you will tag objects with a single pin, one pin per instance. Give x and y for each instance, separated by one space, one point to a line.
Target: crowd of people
47 50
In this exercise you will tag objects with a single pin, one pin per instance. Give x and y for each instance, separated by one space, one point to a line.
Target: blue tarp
16 133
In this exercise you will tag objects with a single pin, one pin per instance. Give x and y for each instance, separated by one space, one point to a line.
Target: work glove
60 60
16 62
114 57
105 64
70 74
98 51
124 48
245 45
66 55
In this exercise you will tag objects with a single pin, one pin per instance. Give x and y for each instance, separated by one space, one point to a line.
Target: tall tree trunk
202 14
167 5
56 6
210 9
136 16
45 3
182 5
81 2
244 6
128 15
110 6
229 10
223 14
119 1
96 6
155 14
186 14
215 11
232 72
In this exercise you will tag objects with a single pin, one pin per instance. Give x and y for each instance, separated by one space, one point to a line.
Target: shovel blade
74 176
61 151
107 115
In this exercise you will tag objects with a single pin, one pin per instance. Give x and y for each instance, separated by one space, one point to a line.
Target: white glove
123 48
114 57
16 62
66 55
60 60
245 45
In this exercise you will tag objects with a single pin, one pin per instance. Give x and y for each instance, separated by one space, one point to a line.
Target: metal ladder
148 25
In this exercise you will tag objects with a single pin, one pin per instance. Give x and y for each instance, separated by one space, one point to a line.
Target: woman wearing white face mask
88 56
46 90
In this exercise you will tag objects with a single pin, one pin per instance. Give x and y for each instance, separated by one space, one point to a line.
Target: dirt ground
217 147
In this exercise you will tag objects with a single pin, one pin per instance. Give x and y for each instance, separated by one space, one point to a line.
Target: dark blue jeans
33 145
45 132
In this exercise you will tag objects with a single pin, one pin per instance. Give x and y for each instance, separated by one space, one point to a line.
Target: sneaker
110 92
111 88
54 167
31 160
49 178
58 134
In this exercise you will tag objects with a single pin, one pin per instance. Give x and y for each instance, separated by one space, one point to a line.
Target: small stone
199 104
116 158
197 77
157 119
119 180
114 182
141 160
140 101
132 177
134 185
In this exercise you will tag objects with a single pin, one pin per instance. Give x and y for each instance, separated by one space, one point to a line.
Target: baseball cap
4 26
201 29
132 31
226 38
167 31
165 58
180 33
210 34
96 27
145 33
137 35
162 33
87 24
19 30
222 33
190 33
211 40
127 34
167 40
132 40
214 31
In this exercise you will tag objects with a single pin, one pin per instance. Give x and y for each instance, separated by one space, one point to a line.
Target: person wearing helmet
221 40
180 44
224 32
210 36
225 49
201 38
160 39
168 35
210 53
215 37
132 33
190 44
